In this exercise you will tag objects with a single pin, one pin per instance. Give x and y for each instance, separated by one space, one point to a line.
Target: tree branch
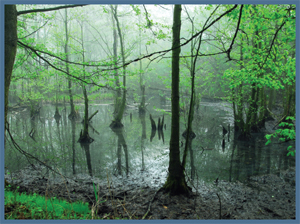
273 40
185 43
236 31
58 69
33 31
46 10
159 53
52 55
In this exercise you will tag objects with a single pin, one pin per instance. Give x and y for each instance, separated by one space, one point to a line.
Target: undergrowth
33 206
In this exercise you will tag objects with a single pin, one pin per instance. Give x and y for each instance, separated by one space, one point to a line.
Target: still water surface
134 154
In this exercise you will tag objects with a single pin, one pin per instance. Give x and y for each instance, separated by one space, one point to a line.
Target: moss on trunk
176 185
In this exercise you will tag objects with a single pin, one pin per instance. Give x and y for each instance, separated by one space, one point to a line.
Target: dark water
131 155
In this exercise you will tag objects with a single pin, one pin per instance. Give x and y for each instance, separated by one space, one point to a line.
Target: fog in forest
178 98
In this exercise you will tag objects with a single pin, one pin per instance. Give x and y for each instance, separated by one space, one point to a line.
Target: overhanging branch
55 56
273 40
236 31
48 9
58 69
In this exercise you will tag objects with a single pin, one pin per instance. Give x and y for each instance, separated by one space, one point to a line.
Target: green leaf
268 142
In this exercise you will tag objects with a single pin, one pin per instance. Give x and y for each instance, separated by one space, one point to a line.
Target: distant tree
72 114
121 104
11 41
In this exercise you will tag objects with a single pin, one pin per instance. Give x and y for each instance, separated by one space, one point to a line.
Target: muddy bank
261 197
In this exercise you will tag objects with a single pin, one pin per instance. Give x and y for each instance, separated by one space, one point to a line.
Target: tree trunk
142 108
175 183
85 134
11 38
115 56
118 117
72 114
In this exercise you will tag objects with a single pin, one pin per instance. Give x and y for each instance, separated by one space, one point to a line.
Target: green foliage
136 9
24 206
286 133
162 110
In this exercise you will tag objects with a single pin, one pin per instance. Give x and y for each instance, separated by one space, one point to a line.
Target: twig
202 150
28 155
111 195
220 212
280 121
148 210
272 113
124 209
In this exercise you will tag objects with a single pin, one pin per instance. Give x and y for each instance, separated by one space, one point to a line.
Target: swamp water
144 158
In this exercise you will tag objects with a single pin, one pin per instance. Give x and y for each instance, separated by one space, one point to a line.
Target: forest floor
262 197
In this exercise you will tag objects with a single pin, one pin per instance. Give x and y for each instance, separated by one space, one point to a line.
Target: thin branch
58 69
185 43
52 55
159 53
273 40
163 7
26 154
46 10
236 31
105 42
149 23
34 31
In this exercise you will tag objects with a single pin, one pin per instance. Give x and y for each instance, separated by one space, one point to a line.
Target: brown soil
262 197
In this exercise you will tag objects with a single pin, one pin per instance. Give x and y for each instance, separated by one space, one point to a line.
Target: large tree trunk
11 38
175 183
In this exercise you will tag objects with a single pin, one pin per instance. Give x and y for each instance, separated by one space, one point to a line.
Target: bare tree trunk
175 183
11 38
115 50
142 108
118 117
84 136
72 114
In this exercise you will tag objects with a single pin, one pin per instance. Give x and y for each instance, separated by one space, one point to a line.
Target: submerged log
224 130
160 125
153 132
153 125
90 118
